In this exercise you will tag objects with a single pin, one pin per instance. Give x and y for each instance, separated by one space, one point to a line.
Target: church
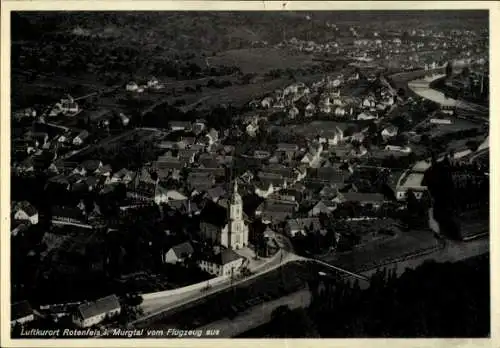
225 226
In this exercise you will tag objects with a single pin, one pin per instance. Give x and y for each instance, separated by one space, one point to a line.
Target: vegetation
434 300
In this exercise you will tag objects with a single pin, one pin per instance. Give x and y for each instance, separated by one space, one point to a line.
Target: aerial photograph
257 174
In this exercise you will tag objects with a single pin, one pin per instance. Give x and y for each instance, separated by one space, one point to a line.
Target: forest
435 300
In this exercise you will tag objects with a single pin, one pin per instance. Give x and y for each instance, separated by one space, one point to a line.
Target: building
64 215
222 263
69 107
92 313
179 253
21 313
364 199
410 181
24 211
231 231
80 138
296 227
180 126
131 86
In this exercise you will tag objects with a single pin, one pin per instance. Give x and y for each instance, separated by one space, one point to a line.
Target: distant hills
218 30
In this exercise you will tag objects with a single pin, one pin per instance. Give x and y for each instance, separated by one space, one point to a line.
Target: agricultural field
262 60
377 253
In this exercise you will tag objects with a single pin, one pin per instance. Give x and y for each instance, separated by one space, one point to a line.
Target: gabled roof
224 257
101 306
91 165
27 207
216 192
363 197
83 134
183 249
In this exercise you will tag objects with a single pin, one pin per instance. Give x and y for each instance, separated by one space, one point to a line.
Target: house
24 211
264 188
276 211
21 313
296 227
39 139
131 86
293 113
187 156
366 116
63 215
283 147
80 138
69 106
125 120
222 263
277 180
364 199
216 193
267 102
180 126
332 137
91 166
310 110
394 148
92 313
179 253
123 175
389 132
252 129
322 207
200 181
440 121
153 83
329 191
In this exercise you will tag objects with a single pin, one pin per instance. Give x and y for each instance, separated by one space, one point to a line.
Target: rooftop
412 180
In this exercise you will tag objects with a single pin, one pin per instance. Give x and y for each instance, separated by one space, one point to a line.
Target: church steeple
235 196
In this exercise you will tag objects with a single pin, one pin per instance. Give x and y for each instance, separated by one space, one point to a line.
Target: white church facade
233 232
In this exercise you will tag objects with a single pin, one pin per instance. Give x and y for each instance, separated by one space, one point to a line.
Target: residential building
364 199
92 313
21 313
24 211
180 125
132 86
80 138
296 227
223 263
179 253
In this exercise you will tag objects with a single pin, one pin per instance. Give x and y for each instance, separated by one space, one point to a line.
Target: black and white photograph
209 174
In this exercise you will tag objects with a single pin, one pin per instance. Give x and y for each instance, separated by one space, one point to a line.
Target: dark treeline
434 300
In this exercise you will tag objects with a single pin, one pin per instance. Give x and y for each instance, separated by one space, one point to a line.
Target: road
159 305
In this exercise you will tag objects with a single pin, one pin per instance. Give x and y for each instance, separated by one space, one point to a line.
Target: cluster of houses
152 84
83 315
324 98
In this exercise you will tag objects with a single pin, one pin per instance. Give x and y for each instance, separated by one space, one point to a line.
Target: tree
448 69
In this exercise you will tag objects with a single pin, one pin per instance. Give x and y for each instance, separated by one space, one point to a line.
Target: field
377 253
457 125
262 60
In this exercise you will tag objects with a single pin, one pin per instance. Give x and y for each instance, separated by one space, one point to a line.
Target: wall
197 286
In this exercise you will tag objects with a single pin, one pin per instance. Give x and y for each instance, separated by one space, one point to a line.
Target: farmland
385 250
261 60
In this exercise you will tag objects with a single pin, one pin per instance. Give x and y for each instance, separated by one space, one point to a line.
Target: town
149 183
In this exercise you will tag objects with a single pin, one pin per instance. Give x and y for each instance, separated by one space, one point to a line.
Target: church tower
237 231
